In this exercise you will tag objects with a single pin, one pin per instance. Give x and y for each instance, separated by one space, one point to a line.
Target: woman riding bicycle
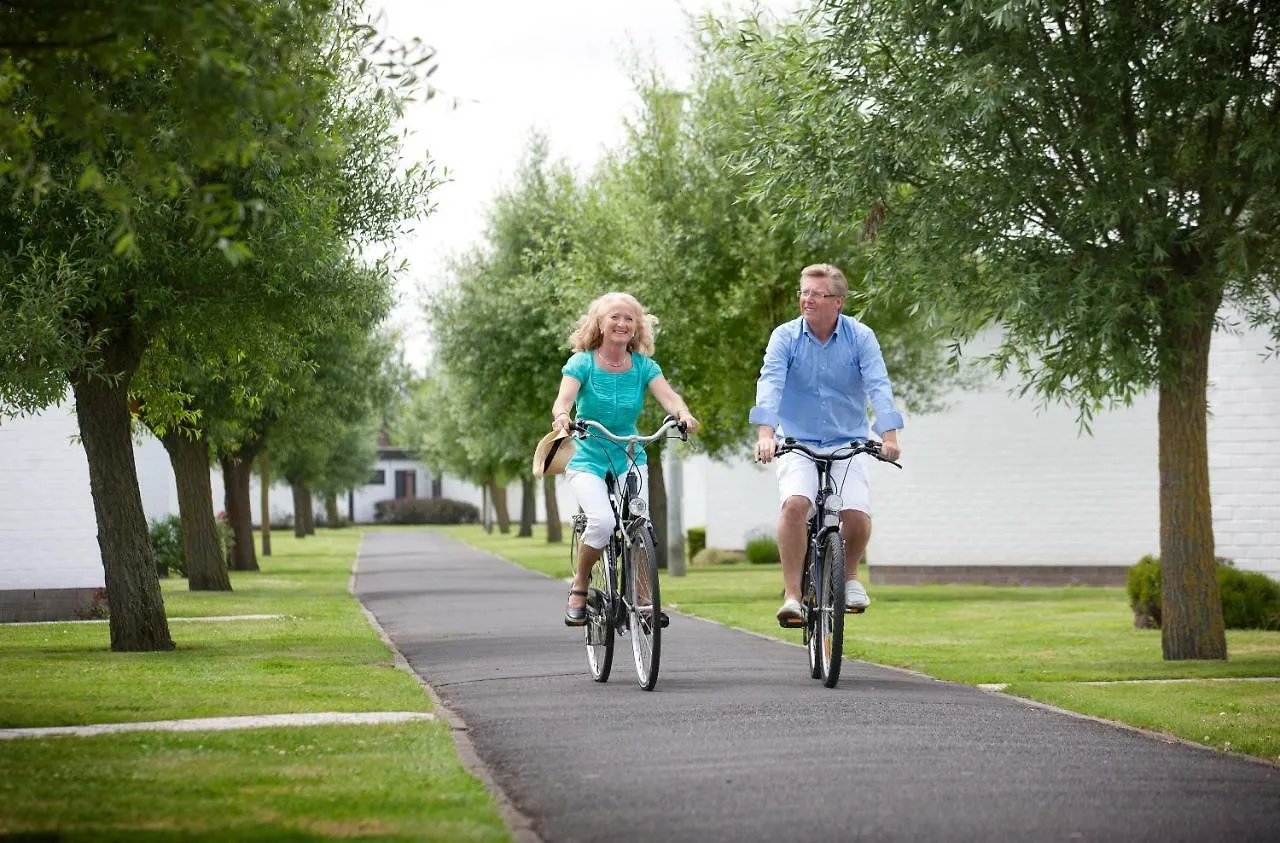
819 372
605 380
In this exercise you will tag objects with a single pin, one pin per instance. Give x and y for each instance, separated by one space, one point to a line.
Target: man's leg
791 536
855 527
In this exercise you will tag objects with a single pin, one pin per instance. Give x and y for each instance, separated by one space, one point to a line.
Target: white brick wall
48 536
1244 451
989 482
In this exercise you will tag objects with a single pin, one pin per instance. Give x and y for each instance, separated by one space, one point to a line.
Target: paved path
738 744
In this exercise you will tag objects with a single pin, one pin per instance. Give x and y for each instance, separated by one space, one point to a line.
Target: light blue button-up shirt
818 392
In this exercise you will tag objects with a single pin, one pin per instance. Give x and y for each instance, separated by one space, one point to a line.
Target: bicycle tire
644 605
599 630
809 598
831 609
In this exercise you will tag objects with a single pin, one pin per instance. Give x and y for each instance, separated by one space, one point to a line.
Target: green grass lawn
391 782
1041 643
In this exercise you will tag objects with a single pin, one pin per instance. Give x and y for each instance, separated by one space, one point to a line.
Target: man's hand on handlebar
766 444
889 448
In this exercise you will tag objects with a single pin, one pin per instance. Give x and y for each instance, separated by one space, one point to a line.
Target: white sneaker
791 610
855 596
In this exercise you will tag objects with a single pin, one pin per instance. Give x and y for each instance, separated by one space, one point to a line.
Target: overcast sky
506 68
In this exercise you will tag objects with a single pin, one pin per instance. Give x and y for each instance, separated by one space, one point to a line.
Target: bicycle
623 596
823 576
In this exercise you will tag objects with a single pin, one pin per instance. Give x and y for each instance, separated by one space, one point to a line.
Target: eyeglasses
814 294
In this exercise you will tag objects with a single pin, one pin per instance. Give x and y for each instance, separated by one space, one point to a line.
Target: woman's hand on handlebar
562 423
889 448
688 421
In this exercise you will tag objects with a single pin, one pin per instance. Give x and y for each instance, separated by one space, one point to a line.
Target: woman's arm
672 402
563 404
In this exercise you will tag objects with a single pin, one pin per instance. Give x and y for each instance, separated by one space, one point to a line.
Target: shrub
166 541
697 538
95 608
763 550
425 511
1250 600
716 556
226 534
1144 592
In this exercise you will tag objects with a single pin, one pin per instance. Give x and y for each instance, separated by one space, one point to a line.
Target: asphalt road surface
737 743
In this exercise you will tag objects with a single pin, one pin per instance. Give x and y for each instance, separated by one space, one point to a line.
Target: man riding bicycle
820 371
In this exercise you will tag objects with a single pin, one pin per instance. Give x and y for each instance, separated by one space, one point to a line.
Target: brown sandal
576 615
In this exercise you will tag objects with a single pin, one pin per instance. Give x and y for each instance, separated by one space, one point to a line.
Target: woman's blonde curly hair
587 335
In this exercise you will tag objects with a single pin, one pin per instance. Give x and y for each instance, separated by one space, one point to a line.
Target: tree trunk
1191 606
308 506
299 513
201 541
236 473
332 519
528 506
485 519
499 495
137 617
555 530
264 469
657 501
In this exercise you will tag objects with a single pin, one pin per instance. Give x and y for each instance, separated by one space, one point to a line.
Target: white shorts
593 499
797 475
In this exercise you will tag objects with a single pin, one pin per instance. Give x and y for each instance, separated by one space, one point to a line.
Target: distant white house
991 490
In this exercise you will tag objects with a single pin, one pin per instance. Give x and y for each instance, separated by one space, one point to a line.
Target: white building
992 490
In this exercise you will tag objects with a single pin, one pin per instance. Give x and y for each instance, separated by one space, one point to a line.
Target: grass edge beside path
1071 648
318 650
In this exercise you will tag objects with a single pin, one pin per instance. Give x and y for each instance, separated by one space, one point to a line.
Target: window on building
378 478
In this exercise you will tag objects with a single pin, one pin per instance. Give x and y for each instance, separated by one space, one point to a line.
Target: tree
501 329
71 70
83 300
1098 179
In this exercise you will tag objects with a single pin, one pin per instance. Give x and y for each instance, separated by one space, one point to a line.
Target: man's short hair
838 285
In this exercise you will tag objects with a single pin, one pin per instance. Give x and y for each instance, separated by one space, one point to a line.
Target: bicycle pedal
791 623
857 611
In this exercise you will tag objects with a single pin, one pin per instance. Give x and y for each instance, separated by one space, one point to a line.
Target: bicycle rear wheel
600 626
644 605
831 608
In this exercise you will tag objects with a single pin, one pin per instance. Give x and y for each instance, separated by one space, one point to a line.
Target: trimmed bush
763 550
716 556
1250 600
166 541
697 539
425 511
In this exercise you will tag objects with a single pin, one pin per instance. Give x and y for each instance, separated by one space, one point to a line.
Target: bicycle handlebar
583 426
843 452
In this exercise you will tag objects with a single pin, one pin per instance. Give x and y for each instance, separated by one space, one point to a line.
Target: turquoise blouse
614 399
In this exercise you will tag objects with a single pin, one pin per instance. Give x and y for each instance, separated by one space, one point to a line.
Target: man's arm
769 386
875 378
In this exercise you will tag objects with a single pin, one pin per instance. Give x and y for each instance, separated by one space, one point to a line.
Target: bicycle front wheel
831 608
600 626
644 605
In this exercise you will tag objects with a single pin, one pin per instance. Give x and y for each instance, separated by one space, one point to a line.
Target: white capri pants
797 475
593 498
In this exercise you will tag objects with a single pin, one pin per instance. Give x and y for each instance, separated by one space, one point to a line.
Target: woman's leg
593 498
